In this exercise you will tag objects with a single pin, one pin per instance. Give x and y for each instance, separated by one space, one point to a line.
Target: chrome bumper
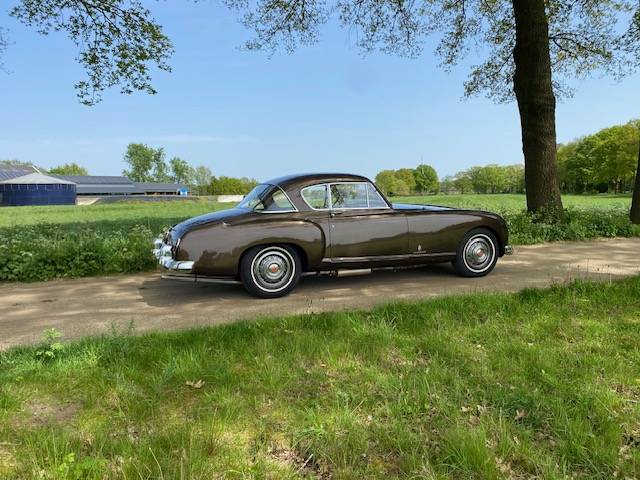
508 249
162 252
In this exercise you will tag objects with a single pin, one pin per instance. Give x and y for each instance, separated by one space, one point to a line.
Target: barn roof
7 172
36 179
96 179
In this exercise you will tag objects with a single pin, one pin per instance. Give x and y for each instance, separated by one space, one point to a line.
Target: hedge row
46 251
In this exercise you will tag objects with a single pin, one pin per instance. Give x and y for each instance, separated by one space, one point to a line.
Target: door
361 224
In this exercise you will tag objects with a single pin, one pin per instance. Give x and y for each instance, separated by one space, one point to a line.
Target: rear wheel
270 271
477 254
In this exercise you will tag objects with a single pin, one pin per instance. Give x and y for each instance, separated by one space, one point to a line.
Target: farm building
152 188
97 185
37 189
100 185
26 185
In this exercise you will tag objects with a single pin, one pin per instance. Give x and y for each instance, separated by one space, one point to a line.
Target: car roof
304 179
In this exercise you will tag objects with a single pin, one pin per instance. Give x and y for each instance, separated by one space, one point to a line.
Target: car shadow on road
162 293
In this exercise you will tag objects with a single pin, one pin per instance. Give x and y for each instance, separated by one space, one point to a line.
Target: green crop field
541 384
40 243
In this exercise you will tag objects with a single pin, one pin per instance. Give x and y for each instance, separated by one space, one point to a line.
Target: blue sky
323 108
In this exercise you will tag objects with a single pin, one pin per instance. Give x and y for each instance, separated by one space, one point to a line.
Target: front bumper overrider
164 255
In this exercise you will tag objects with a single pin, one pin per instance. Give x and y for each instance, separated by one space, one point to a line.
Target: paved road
91 306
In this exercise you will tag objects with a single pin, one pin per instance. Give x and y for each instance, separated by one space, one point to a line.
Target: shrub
42 252
578 224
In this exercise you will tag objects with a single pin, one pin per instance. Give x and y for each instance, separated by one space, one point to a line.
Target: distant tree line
69 169
487 179
408 181
603 162
147 164
423 180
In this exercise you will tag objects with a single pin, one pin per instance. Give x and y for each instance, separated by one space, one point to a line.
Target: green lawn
152 211
542 384
108 212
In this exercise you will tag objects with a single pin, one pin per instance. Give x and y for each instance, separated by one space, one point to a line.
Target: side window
316 196
277 202
349 195
375 200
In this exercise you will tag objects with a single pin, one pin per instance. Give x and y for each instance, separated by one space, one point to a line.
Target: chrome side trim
198 278
385 258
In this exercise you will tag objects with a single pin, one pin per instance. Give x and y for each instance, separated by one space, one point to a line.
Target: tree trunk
635 202
537 106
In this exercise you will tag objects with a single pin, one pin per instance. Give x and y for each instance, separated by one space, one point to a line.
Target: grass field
152 212
141 212
516 203
542 384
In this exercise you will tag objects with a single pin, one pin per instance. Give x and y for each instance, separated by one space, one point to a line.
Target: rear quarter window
316 196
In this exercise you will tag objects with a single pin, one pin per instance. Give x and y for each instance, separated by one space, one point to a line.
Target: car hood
177 231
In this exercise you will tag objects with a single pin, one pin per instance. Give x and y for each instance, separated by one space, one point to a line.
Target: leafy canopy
490 178
426 179
181 171
584 36
407 181
118 41
146 164
69 169
604 161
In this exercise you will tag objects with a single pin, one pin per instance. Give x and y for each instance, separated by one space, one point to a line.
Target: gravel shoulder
91 306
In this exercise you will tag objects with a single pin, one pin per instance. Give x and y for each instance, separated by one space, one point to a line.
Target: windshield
267 198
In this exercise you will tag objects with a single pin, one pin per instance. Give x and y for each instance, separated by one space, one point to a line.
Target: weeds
50 346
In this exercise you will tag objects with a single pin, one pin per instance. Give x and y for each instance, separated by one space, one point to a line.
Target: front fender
216 249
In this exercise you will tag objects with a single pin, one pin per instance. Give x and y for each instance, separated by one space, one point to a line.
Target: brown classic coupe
312 223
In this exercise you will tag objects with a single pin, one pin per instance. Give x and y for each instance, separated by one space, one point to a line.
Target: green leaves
50 347
146 164
45 251
69 169
119 41
606 160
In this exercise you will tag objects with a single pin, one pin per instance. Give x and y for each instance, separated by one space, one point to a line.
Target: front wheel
477 254
270 271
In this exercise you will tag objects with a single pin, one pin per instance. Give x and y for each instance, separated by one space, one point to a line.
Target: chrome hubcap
273 269
479 253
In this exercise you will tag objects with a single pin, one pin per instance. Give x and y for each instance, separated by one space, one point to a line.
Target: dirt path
90 306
